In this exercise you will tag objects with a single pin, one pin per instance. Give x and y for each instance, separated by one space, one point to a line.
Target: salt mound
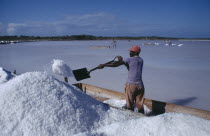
168 124
5 75
37 104
60 68
120 103
180 45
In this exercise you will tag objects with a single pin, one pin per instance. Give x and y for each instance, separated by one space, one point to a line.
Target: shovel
83 73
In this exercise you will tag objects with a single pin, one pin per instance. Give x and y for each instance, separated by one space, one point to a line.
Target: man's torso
134 66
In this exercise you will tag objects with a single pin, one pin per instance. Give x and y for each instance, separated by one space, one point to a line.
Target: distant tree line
84 37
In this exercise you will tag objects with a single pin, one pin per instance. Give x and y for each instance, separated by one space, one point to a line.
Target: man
114 43
134 88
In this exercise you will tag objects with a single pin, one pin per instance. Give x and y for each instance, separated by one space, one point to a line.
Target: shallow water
178 73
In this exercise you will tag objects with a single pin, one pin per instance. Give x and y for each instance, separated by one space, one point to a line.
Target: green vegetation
87 37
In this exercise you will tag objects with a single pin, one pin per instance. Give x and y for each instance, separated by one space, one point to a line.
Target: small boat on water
157 107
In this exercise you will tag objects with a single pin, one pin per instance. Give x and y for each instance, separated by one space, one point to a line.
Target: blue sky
169 18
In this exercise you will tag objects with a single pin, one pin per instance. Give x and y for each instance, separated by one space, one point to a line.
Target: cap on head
135 48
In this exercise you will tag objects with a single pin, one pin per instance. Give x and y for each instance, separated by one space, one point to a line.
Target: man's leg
139 93
129 96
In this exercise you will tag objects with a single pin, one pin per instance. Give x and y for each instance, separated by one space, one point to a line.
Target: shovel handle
92 69
105 63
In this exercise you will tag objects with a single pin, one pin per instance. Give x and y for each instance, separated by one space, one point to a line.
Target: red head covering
135 48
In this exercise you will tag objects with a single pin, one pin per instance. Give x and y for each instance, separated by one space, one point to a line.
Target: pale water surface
178 74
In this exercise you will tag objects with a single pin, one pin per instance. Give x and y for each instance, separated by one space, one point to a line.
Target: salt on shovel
83 73
62 69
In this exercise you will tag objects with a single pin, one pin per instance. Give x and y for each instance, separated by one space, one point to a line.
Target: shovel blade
81 74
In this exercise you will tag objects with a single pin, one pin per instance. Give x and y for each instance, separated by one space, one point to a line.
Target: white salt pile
120 103
60 68
180 45
5 75
115 102
36 103
162 125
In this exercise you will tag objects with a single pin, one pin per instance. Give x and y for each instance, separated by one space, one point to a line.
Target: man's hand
101 66
120 58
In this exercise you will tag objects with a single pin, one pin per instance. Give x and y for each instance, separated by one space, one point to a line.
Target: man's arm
115 64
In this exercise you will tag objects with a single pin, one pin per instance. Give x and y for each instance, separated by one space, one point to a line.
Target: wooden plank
157 107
